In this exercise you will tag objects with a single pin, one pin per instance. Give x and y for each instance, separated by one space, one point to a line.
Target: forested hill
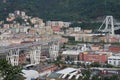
66 10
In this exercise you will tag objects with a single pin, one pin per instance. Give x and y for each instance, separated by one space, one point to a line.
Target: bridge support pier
35 55
109 25
13 57
54 49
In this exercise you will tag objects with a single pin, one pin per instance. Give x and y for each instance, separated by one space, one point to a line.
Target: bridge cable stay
109 25
108 22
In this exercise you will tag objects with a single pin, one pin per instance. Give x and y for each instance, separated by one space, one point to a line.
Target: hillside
66 10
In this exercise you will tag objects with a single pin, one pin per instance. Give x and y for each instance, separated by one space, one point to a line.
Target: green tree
95 64
108 66
96 77
66 10
58 62
86 74
9 72
19 20
115 77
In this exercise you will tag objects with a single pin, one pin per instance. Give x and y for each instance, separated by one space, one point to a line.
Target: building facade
114 60
90 57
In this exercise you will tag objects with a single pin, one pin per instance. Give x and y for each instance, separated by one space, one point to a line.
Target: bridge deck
6 49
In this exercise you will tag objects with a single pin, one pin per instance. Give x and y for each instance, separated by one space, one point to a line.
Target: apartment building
114 60
93 57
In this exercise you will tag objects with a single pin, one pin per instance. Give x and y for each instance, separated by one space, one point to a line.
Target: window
114 62
119 63
109 61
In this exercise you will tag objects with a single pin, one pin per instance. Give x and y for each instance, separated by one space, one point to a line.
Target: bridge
109 25
12 52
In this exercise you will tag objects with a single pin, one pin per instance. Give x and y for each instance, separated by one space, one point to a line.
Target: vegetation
66 10
86 74
19 20
9 72
101 43
70 38
87 25
95 64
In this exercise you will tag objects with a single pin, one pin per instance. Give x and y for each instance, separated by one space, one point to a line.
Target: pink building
93 58
56 28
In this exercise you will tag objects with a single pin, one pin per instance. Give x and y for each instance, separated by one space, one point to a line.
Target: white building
71 55
54 50
23 29
17 12
114 60
35 55
70 73
77 29
58 23
30 74
23 13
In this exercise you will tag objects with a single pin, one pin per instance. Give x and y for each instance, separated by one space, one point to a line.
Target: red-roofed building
114 48
93 57
56 28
